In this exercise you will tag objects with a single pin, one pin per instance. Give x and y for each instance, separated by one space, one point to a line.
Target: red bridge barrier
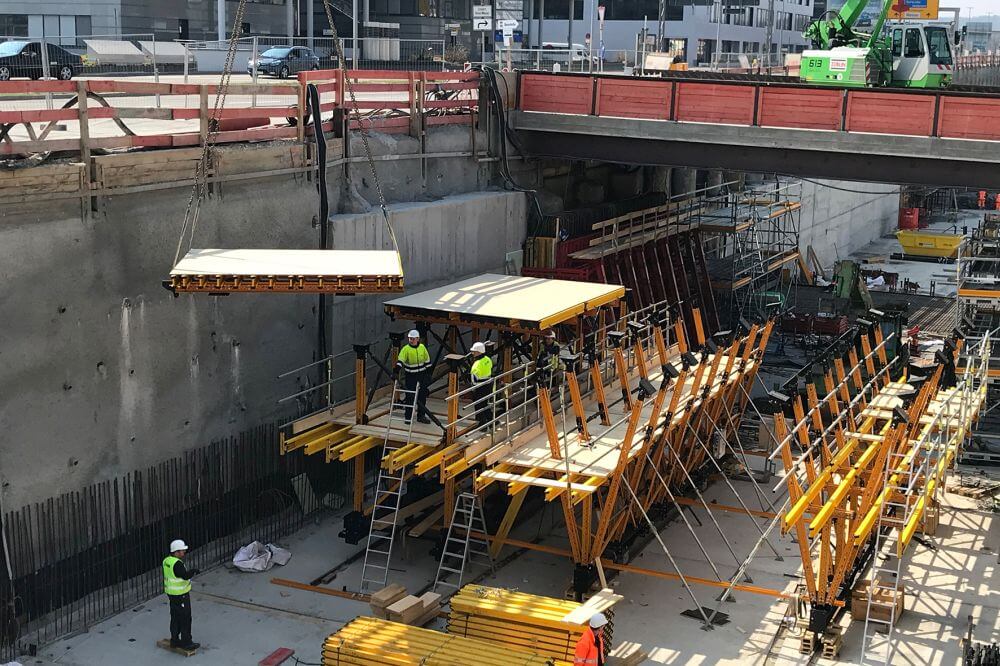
927 113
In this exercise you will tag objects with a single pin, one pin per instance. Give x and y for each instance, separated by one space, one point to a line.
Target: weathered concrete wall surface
104 371
839 221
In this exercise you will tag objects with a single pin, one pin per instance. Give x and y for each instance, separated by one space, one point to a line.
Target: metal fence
552 60
78 558
280 56
89 55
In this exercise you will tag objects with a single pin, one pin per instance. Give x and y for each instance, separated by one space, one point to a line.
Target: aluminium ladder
885 577
388 495
457 550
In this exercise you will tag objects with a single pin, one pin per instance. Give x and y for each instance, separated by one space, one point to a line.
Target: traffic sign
482 11
507 24
483 24
914 9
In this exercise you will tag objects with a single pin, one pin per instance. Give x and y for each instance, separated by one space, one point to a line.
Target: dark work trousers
411 381
484 410
180 618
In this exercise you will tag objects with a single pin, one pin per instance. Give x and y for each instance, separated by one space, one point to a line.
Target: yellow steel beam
366 444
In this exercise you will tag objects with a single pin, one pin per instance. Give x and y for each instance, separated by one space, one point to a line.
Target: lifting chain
361 126
200 188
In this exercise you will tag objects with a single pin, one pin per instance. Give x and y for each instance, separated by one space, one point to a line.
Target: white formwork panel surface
503 298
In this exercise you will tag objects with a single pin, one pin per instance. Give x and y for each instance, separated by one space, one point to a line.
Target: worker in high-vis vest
415 363
481 375
177 585
550 351
590 647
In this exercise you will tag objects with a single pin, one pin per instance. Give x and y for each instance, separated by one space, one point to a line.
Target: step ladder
388 494
458 550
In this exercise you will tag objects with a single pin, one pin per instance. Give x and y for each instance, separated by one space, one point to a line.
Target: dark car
24 59
281 61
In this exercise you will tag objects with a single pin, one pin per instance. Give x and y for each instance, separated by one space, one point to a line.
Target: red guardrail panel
800 108
969 118
15 87
556 94
714 103
628 98
890 113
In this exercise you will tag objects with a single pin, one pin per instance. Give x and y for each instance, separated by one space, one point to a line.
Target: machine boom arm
839 30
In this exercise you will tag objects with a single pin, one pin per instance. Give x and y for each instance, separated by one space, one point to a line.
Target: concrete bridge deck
900 136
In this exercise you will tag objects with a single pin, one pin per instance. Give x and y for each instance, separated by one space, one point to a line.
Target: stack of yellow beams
518 620
366 641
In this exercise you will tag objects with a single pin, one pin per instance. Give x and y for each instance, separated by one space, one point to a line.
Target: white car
579 53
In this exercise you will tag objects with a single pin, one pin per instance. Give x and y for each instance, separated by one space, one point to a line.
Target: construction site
485 365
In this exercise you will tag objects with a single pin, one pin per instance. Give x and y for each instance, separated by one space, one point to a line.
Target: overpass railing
944 114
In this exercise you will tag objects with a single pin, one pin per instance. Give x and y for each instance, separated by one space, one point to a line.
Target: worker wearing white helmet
415 363
481 375
177 585
590 647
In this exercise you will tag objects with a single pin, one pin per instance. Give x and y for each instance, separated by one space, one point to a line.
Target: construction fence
83 556
143 55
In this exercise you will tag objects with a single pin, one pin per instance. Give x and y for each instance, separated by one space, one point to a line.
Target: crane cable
361 126
200 188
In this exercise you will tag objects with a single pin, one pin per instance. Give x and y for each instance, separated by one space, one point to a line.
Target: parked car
282 61
562 52
24 59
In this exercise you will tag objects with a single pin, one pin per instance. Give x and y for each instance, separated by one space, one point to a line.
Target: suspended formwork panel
219 271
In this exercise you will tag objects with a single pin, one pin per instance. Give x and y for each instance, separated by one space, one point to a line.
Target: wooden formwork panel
557 94
714 103
967 118
800 108
35 182
629 98
890 113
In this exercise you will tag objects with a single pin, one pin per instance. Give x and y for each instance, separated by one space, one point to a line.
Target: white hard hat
413 334
177 544
479 347
550 334
597 620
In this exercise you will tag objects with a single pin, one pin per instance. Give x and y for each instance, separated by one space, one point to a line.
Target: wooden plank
889 113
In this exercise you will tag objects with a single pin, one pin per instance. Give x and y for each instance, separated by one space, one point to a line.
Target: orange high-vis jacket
586 651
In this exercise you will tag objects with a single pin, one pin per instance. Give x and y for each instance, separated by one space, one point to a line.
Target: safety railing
510 406
389 101
439 98
922 113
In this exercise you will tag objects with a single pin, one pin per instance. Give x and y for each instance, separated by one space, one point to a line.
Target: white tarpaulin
260 557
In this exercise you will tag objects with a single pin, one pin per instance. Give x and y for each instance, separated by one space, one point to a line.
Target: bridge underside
894 159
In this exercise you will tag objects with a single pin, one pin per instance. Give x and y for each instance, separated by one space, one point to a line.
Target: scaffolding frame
978 316
751 236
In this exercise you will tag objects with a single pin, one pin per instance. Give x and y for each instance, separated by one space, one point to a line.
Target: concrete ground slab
241 617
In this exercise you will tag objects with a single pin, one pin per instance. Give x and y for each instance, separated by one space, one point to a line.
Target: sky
978 6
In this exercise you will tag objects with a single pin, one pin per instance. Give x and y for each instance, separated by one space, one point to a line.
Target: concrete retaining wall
103 371
837 222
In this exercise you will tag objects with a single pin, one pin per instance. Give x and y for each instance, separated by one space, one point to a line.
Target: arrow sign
483 24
